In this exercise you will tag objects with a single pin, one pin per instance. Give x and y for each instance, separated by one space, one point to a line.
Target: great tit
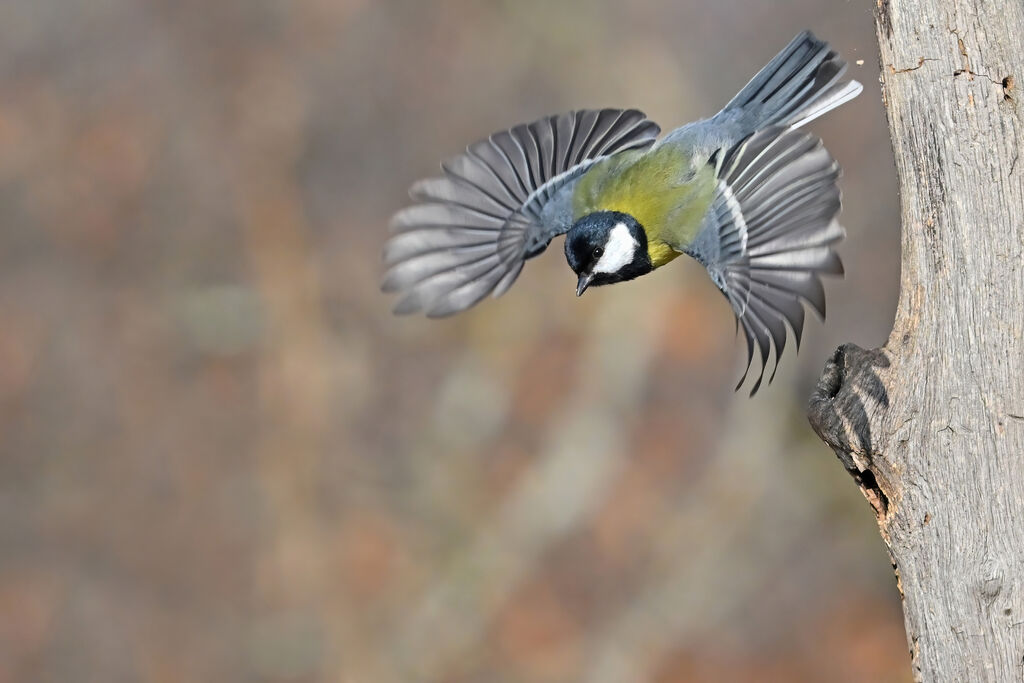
745 193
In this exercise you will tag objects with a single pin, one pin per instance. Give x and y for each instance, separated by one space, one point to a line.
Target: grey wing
470 230
770 235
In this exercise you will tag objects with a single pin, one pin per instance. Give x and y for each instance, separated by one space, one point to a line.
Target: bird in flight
746 193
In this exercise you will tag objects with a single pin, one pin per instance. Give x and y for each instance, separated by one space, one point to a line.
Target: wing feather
472 228
770 236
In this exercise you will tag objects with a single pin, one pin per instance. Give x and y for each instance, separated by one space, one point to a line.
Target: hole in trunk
876 497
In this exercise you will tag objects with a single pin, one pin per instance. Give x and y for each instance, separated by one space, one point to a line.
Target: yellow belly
660 253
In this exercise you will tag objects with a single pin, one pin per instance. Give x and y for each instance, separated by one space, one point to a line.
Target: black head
606 247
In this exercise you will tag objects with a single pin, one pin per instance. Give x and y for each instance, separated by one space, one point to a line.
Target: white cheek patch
618 251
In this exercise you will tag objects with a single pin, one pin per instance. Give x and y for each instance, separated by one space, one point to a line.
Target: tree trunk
932 424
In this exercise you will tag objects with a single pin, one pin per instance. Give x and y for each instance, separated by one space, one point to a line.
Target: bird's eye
598 251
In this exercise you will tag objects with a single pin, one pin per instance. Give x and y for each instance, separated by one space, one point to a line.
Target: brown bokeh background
222 459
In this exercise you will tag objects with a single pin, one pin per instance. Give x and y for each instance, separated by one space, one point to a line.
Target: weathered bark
932 424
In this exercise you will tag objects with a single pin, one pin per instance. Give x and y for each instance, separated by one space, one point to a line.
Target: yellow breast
660 252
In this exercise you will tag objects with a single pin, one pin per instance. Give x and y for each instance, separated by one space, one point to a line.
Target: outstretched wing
770 236
498 204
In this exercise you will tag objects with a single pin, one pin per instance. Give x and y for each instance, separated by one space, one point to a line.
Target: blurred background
222 459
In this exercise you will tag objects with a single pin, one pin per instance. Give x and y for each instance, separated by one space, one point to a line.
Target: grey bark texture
932 424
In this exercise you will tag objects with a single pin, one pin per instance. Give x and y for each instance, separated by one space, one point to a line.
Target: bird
747 193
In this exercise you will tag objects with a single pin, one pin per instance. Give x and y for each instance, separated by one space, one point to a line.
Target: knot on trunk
841 410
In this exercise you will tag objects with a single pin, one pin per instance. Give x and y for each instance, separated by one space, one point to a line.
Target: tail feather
769 236
799 84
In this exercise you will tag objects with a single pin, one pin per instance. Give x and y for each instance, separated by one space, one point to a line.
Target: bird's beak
583 283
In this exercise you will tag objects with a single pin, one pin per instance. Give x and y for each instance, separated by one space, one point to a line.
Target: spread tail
799 84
